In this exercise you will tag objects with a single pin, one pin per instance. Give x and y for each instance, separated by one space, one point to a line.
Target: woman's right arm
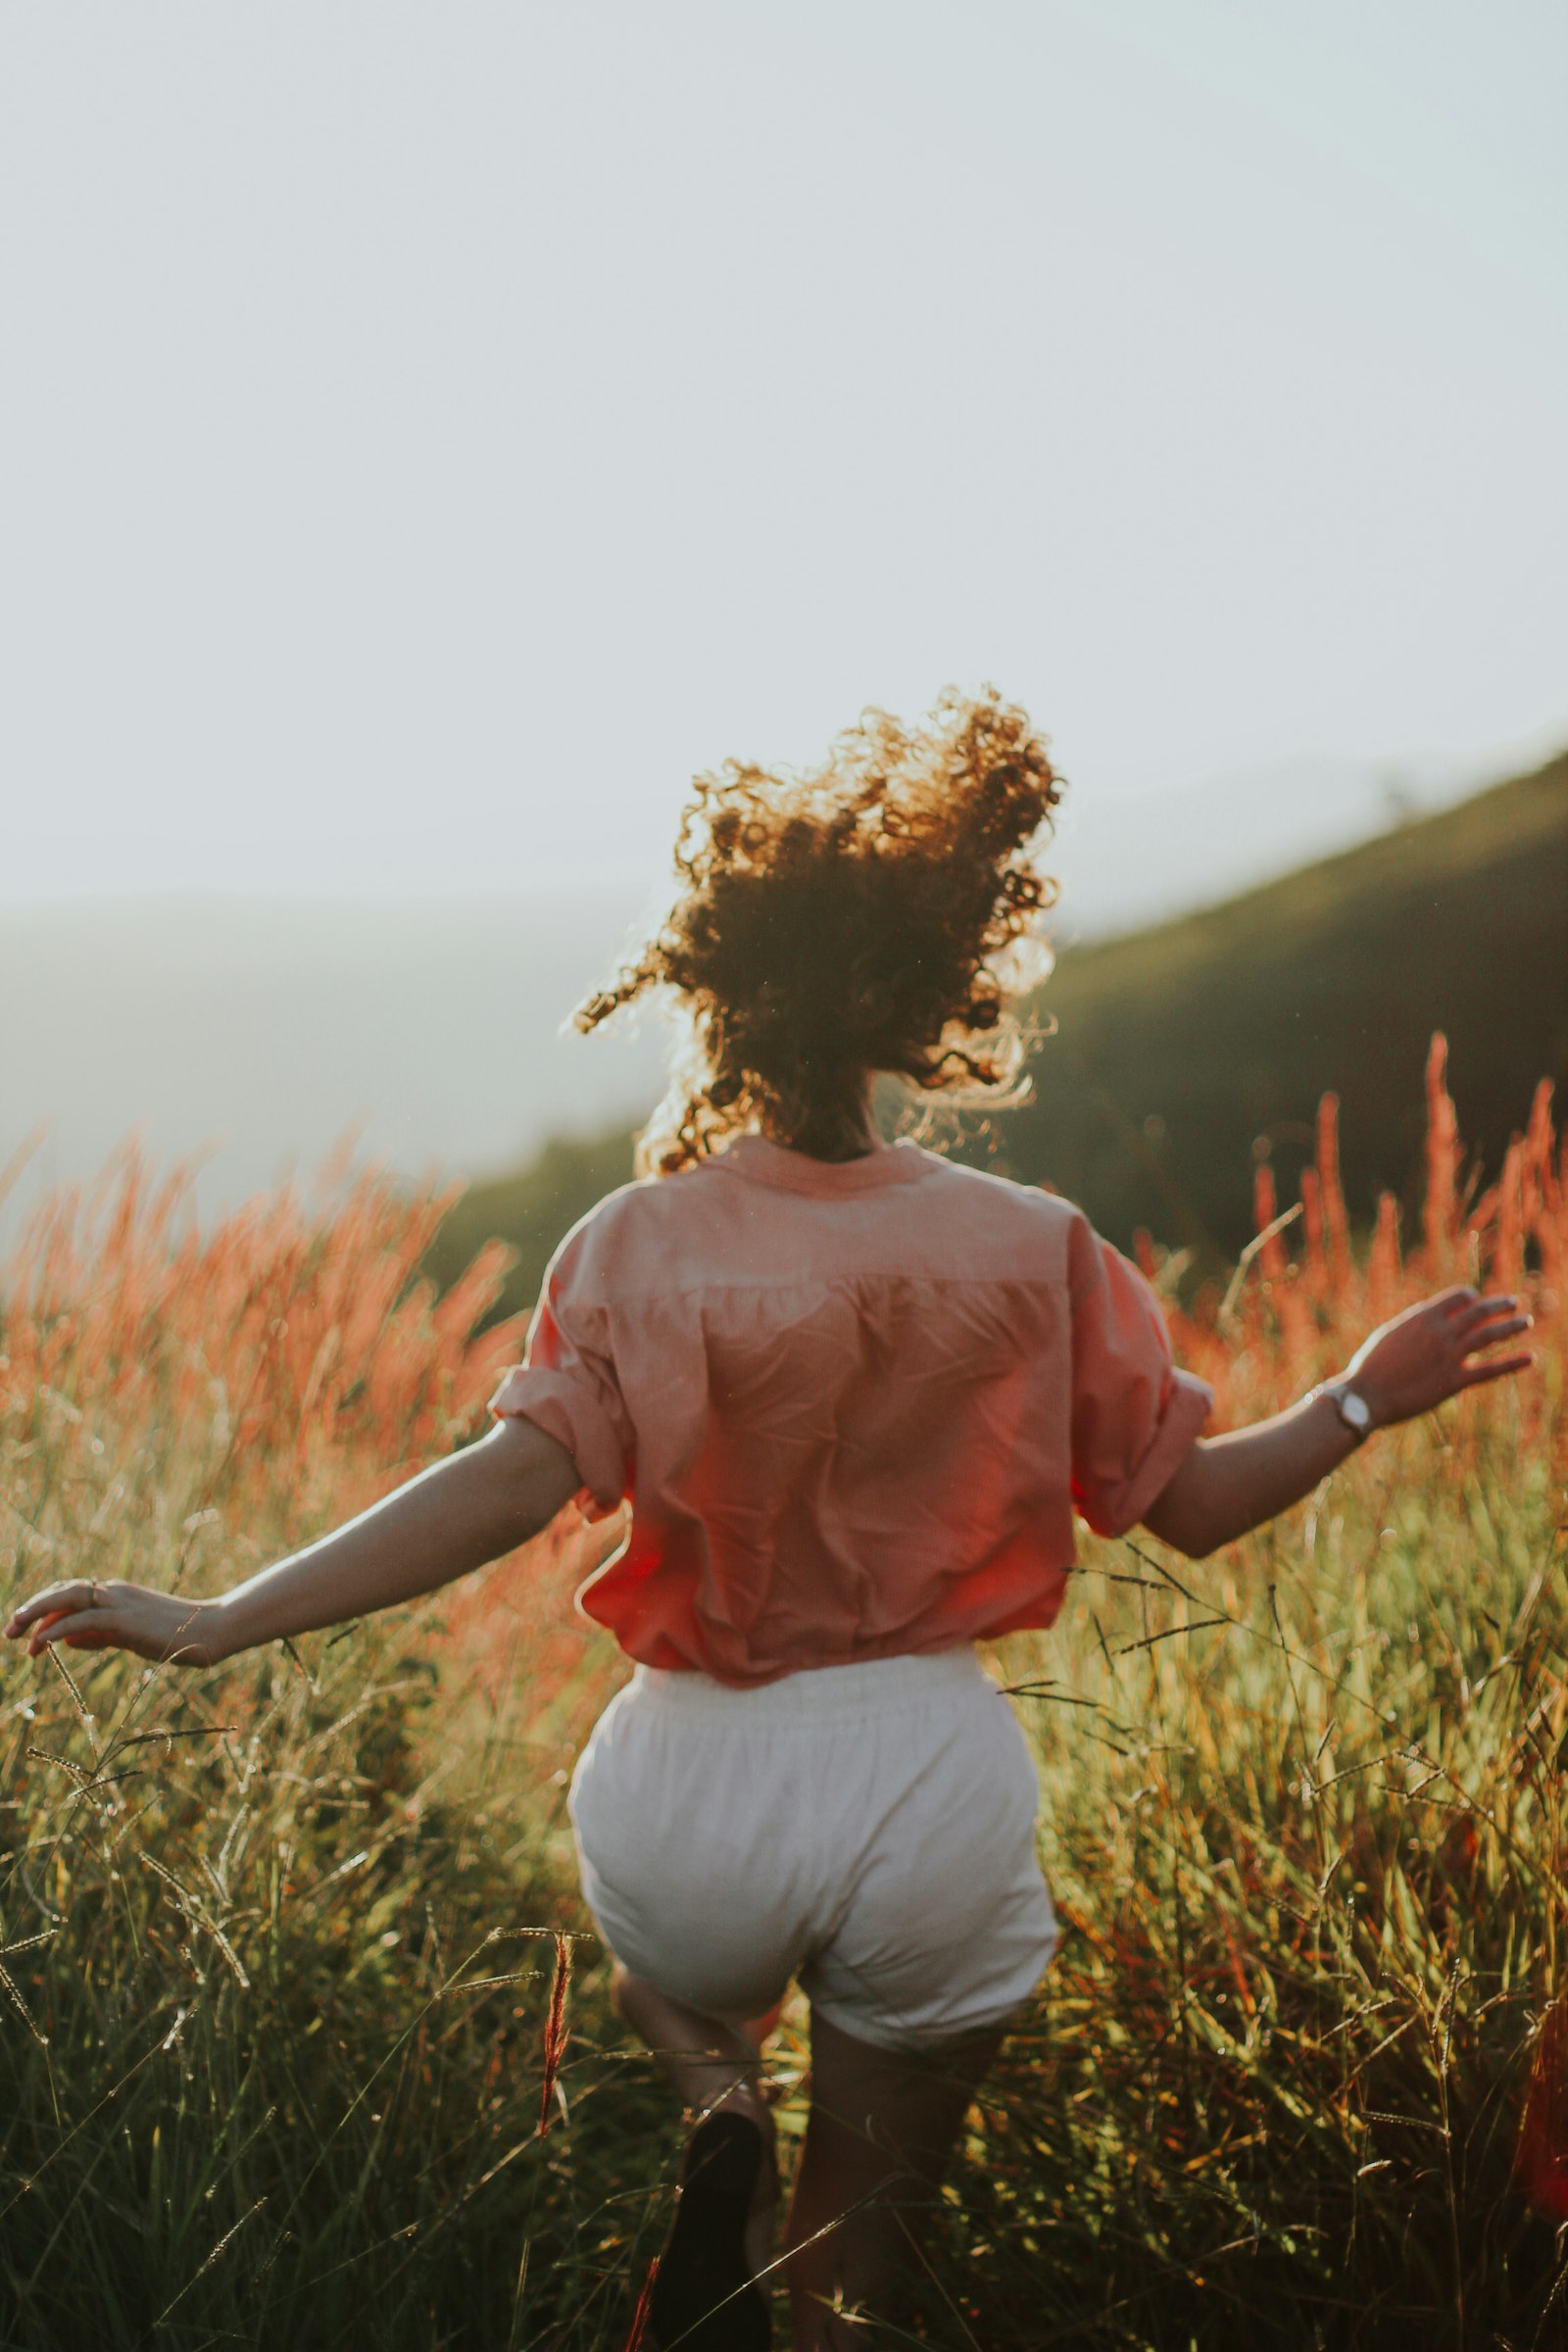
1417 1361
472 1508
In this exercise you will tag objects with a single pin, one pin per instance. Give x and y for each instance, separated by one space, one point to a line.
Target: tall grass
303 2034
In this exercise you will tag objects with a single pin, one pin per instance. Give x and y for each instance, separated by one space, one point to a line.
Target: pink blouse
854 1405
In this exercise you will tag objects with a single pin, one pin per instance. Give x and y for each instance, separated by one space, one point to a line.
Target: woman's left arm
452 1518
1414 1363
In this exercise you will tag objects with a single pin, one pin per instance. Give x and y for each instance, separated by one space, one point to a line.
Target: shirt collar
760 1160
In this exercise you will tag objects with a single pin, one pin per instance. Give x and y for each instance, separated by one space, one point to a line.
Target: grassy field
304 2036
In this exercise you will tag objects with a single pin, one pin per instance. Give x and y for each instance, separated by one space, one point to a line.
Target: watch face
1355 1410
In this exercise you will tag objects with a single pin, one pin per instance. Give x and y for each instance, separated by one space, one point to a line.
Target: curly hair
836 925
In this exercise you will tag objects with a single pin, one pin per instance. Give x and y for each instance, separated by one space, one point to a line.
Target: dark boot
704 2298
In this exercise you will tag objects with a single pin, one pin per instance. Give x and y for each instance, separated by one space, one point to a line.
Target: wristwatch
1352 1406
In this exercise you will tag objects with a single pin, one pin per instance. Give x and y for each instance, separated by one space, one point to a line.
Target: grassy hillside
1179 1047
1184 1050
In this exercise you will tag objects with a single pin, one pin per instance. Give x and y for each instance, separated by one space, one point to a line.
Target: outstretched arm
453 1517
1411 1363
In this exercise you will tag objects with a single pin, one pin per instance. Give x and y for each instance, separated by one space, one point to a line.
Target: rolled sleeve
567 1384
1136 1416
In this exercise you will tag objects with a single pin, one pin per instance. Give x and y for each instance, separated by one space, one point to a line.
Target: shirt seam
968 1282
883 1171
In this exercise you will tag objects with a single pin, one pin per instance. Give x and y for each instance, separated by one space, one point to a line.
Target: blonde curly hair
836 925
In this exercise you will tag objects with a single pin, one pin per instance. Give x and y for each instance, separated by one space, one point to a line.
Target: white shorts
869 1829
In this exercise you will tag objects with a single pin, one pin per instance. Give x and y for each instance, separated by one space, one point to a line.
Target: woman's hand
168 1627
449 1520
1232 1484
1420 1359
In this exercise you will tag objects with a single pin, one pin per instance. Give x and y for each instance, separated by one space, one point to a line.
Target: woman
856 1394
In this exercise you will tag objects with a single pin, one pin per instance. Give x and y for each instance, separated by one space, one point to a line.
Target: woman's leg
713 2062
882 2125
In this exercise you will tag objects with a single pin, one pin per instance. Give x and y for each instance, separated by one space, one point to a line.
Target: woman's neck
852 1134
856 1144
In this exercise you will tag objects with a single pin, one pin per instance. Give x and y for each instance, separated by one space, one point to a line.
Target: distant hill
1178 1047
1228 1025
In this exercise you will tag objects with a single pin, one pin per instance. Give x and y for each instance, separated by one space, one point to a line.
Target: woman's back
853 1404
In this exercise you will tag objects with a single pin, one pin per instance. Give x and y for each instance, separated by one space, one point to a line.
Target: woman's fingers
74 1592
39 1627
92 1628
1487 1334
1486 1311
60 1627
1494 1370
1484 1325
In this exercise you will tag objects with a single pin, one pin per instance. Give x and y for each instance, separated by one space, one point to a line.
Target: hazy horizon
257 1029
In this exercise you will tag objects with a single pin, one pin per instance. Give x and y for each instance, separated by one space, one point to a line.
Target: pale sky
434 432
